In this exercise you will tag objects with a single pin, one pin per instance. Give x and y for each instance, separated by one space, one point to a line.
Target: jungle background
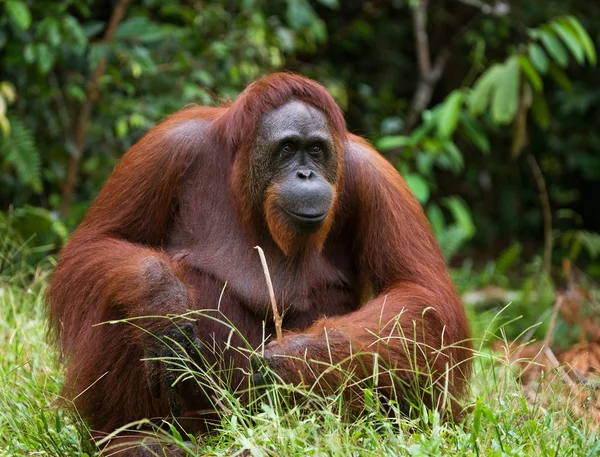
489 109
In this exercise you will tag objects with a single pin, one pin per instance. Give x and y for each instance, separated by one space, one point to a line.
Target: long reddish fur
116 265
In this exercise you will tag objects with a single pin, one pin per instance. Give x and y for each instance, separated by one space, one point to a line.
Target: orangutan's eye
316 149
287 151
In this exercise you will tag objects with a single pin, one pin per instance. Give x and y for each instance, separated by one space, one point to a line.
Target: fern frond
451 240
19 152
508 258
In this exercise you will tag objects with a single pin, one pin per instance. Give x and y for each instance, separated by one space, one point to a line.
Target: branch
546 209
430 75
86 111
428 80
425 87
276 316
421 37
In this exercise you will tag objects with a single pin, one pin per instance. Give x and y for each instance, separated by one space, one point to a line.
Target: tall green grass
501 420
30 377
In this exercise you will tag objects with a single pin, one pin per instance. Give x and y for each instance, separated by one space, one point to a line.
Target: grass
502 422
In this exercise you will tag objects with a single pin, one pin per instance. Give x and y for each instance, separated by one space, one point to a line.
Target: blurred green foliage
519 80
165 54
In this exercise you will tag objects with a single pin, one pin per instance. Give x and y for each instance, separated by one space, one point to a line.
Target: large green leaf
571 41
538 57
584 38
479 97
505 100
531 74
19 13
554 47
391 142
449 114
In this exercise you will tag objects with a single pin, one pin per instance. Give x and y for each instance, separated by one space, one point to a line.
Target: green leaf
462 215
392 142
175 433
556 50
531 74
489 415
49 31
477 413
121 127
436 218
19 13
319 29
424 163
480 94
449 114
74 34
45 58
455 157
473 132
418 186
584 38
560 78
29 53
538 57
539 110
420 133
571 41
505 100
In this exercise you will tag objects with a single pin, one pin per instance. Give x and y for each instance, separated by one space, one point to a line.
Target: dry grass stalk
276 316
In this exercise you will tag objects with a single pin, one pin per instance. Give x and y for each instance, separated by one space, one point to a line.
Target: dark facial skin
296 159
